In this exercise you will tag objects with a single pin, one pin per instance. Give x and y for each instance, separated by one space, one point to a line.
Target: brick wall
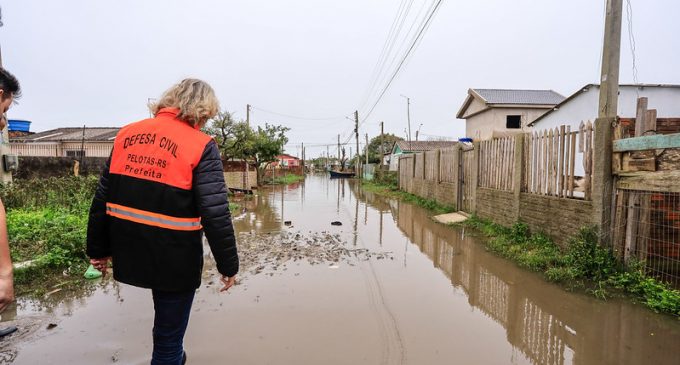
496 205
559 218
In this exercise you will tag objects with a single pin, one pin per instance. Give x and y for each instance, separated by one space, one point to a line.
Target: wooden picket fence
447 165
497 163
550 158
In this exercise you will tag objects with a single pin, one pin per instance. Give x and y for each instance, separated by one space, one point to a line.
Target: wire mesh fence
647 229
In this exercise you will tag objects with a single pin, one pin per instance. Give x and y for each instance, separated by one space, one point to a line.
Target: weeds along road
388 286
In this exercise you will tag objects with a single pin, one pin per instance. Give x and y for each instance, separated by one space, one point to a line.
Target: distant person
9 91
162 187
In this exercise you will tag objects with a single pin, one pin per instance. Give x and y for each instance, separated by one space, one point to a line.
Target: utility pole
327 157
303 157
408 118
602 181
340 167
248 114
366 149
356 137
382 143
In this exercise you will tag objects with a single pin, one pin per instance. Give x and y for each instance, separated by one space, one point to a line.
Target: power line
293 116
395 35
631 40
396 71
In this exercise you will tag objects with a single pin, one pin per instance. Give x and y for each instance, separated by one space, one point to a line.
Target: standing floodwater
388 286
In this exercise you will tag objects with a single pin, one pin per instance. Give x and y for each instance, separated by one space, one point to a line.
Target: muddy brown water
388 286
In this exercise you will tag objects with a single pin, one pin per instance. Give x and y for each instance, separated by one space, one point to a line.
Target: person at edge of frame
9 92
162 187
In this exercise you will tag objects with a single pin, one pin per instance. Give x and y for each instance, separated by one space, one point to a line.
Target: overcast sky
97 62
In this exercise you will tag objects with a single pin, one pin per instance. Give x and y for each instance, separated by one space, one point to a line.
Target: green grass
583 264
47 224
287 179
391 191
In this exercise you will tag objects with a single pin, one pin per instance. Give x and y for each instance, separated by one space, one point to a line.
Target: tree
260 147
375 152
236 139
228 133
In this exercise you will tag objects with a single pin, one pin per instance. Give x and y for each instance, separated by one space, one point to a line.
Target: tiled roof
530 97
418 146
71 134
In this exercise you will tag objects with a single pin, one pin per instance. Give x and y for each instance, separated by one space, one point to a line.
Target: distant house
66 142
582 105
498 112
404 147
285 160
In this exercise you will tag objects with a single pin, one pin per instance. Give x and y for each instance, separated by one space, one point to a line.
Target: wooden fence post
456 177
475 177
602 180
518 172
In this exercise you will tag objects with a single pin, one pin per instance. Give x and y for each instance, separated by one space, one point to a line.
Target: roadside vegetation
583 264
390 190
287 179
47 228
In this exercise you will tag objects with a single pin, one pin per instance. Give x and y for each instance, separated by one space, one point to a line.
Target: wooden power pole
382 143
366 149
356 137
602 183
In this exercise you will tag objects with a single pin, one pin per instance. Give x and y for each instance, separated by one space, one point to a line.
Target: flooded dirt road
388 286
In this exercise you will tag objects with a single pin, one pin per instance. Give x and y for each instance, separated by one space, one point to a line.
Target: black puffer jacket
153 256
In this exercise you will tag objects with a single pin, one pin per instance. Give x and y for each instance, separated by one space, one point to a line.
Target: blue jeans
169 325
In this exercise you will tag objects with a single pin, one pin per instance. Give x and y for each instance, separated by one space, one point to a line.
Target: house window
75 153
513 122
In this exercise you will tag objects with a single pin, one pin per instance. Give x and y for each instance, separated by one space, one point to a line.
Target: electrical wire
293 116
420 34
631 40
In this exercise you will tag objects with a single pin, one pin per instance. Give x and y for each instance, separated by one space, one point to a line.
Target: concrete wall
560 218
35 167
481 126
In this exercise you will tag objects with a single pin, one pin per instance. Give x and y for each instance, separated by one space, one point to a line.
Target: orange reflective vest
162 152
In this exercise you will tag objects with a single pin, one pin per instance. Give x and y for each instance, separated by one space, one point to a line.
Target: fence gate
465 185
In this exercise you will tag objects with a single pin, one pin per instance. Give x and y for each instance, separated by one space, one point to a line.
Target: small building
582 105
492 113
404 147
285 160
66 142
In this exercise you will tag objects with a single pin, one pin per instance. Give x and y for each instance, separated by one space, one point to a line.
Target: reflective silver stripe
152 219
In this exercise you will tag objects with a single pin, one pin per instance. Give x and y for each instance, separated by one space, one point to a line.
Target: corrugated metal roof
419 146
527 97
71 134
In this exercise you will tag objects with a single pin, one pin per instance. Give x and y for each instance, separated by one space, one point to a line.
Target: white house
490 113
582 105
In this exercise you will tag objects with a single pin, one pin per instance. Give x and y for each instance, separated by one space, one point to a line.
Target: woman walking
161 189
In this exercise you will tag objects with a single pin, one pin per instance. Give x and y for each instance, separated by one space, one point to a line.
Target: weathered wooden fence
646 224
467 181
496 163
448 165
550 159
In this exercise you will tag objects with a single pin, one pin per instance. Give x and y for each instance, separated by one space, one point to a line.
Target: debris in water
336 223
92 273
288 223
51 326
52 292
272 253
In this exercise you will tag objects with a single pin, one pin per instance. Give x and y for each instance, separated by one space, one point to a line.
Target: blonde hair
194 98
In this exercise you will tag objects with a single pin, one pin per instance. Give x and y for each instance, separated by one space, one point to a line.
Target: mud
388 286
